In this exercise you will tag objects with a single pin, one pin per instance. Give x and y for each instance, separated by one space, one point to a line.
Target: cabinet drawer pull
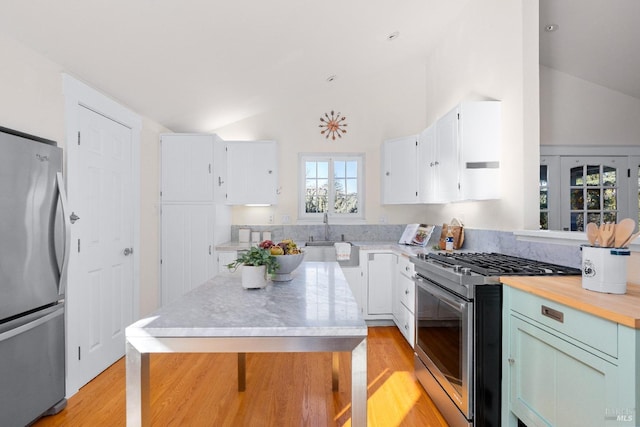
553 314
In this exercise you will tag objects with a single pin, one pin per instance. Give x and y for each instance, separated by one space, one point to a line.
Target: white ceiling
597 40
197 65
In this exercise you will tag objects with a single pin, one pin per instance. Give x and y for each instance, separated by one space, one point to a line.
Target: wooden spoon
592 233
630 239
624 230
607 235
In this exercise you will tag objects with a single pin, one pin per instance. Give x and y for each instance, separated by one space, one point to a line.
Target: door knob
128 251
73 217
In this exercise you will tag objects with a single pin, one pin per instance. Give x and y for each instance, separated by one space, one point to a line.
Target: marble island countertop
317 302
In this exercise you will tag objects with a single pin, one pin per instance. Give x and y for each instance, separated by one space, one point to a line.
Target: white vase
254 277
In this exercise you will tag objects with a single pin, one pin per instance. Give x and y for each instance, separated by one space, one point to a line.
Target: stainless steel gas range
459 330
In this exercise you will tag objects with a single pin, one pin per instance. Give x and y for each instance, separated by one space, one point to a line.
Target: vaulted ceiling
196 65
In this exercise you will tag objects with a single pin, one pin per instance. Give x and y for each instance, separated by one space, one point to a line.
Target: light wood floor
284 389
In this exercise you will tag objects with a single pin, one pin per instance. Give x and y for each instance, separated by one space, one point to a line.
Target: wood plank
282 389
567 290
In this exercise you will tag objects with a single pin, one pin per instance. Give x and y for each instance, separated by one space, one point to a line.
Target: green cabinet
564 367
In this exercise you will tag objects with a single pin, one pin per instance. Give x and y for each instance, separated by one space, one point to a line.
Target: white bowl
287 264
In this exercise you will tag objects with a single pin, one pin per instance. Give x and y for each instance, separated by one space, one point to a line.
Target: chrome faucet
325 219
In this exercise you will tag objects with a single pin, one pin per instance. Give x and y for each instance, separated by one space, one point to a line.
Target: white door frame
79 95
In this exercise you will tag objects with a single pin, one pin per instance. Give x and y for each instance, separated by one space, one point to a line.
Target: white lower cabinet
565 367
380 283
404 299
187 251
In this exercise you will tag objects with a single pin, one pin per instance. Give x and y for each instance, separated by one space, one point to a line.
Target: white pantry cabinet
252 172
193 216
400 170
187 248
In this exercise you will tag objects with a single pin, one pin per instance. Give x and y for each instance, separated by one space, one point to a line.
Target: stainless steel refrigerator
34 254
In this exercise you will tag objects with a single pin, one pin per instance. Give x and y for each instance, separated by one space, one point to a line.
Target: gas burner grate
495 264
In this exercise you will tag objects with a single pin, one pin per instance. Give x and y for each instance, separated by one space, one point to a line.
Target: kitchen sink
323 251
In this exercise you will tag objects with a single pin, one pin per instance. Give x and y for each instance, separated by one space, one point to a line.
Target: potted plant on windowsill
256 263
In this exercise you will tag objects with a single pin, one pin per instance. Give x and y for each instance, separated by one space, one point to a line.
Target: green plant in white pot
256 263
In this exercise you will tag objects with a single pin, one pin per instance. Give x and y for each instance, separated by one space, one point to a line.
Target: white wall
490 51
376 107
32 101
577 112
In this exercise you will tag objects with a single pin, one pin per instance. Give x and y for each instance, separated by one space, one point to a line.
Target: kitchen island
315 312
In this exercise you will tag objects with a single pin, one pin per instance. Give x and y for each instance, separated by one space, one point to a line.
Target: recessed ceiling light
549 28
331 78
393 35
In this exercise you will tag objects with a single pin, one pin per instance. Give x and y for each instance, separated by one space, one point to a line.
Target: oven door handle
451 300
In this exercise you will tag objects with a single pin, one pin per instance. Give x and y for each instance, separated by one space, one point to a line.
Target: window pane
610 199
543 199
352 169
608 176
610 217
543 175
323 170
576 176
593 175
577 221
338 169
352 186
544 220
593 199
593 217
310 168
577 199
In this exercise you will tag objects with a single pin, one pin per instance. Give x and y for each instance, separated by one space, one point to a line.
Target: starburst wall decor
333 125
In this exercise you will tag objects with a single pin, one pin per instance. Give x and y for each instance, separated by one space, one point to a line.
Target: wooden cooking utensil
607 232
624 230
592 233
630 239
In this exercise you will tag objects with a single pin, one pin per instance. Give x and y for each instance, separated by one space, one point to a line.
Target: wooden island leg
242 371
335 369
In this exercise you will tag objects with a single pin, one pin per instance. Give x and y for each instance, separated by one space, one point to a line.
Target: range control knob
457 268
466 271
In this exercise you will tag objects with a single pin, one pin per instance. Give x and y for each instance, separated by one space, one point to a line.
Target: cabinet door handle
406 291
553 314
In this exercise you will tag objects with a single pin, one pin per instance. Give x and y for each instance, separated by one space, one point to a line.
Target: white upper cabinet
187 162
400 170
480 150
458 158
252 172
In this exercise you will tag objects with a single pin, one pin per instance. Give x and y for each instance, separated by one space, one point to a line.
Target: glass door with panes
594 189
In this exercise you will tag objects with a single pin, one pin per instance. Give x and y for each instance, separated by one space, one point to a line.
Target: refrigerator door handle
67 234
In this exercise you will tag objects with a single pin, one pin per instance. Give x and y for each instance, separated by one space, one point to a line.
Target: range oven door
444 340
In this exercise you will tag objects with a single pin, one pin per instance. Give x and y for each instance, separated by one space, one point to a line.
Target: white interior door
101 295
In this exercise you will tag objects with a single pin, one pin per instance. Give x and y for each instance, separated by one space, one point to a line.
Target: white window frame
331 158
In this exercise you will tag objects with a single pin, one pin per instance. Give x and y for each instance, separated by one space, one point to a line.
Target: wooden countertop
567 290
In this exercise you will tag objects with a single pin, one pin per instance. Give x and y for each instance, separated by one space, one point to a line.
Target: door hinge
79 358
78 137
78 245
